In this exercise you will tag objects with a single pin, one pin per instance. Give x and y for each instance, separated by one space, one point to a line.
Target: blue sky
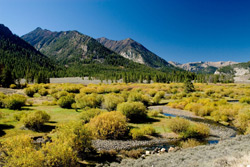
176 30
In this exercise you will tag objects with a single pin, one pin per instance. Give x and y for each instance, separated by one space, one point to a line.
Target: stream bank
229 152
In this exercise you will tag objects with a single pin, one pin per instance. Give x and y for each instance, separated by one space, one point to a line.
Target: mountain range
135 51
203 67
70 53
20 57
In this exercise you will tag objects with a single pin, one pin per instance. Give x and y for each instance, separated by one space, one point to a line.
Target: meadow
67 117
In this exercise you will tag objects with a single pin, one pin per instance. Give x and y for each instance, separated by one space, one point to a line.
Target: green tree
188 86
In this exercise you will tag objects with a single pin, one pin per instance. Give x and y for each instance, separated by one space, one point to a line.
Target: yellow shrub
242 120
90 113
20 152
138 97
139 133
35 120
111 101
59 153
88 90
14 101
134 111
178 124
190 143
92 100
75 135
110 125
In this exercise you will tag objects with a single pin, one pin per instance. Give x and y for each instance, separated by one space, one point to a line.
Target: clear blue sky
176 30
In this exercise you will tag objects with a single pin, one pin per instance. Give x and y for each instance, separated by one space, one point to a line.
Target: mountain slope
133 50
20 57
202 67
240 71
82 55
72 47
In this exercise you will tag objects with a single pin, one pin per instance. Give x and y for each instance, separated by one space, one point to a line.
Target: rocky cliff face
240 71
135 51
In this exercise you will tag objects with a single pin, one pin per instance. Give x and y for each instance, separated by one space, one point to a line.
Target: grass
58 116
160 125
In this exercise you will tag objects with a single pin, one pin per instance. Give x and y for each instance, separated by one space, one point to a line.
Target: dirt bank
230 152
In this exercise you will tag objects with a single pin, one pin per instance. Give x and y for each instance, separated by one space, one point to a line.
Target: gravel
225 153
126 144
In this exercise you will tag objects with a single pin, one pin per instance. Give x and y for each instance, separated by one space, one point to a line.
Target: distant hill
135 51
20 57
203 67
240 71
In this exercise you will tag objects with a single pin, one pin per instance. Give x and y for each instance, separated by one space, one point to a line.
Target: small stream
217 131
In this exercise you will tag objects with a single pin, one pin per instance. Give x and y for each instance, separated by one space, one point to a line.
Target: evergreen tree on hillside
6 78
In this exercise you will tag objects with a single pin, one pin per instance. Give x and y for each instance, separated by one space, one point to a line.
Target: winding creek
218 132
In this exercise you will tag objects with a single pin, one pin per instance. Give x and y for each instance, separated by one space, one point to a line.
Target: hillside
20 57
135 51
202 67
241 71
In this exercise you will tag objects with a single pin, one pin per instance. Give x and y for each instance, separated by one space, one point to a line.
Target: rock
171 149
143 156
148 152
163 150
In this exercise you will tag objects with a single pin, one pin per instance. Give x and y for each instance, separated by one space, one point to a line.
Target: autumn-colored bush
157 98
43 92
66 101
139 133
138 97
91 100
152 92
76 135
2 97
72 89
132 153
60 94
242 120
30 91
19 151
59 153
194 107
153 113
70 141
245 100
190 143
86 115
111 101
88 90
178 125
13 86
35 120
14 101
209 92
18 116
107 155
109 125
134 111
196 130
188 129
